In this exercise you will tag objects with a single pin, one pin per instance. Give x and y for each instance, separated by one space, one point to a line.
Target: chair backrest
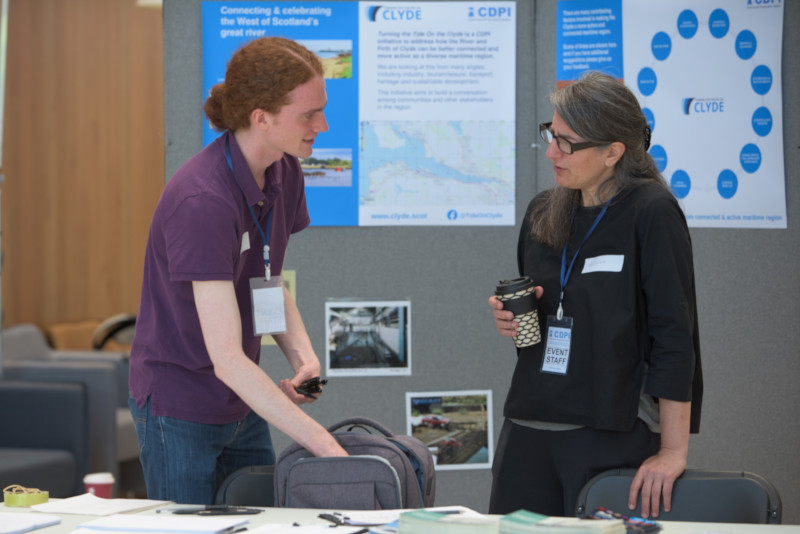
702 496
24 342
248 486
44 416
117 329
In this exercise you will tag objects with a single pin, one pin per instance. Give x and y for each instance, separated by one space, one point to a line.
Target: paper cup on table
99 484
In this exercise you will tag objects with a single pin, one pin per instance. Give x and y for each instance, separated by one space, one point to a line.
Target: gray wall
747 284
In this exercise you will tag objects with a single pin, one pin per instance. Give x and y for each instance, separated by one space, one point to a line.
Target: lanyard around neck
565 272
264 235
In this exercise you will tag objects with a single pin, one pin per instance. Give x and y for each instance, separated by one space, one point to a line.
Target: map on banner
420 105
445 163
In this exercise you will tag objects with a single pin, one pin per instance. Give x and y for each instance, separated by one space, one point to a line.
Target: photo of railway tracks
368 338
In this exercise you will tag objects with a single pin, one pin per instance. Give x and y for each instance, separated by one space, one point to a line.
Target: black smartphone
311 387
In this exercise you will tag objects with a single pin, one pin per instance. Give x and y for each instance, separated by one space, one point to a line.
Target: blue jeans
185 461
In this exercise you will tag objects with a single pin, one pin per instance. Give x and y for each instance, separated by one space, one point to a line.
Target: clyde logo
393 14
703 105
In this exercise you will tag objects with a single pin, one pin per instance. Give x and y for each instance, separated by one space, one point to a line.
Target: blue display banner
329 29
420 105
589 37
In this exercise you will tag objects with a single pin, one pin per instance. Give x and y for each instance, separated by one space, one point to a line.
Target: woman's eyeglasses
565 146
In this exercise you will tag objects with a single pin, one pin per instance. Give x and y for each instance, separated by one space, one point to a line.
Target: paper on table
88 504
382 517
303 529
159 523
15 523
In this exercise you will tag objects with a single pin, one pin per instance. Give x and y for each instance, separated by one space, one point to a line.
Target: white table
308 516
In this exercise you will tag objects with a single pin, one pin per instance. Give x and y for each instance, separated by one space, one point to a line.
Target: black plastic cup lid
514 285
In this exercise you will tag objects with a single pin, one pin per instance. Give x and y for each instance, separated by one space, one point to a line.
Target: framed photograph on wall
368 338
455 425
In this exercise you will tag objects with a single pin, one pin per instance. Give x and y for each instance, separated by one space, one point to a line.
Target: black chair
698 495
112 434
248 486
44 436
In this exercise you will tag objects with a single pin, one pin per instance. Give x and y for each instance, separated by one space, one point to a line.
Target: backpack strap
364 422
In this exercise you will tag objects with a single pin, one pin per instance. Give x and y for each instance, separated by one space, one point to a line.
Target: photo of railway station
368 338
454 425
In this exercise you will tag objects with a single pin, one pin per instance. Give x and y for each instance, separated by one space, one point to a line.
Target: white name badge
269 310
556 350
610 263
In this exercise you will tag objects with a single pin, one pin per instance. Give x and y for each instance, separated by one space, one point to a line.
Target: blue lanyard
565 272
264 236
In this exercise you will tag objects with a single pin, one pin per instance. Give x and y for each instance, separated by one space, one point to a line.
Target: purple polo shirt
200 231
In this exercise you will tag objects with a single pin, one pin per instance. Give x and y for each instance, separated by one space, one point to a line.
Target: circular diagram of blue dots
718 23
762 121
742 45
661 46
750 158
647 81
660 156
727 183
680 183
745 44
687 24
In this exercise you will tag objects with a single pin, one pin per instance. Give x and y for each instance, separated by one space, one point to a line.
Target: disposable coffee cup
519 296
99 484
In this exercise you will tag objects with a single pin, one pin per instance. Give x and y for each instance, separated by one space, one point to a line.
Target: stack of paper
16 523
426 522
88 504
522 521
184 524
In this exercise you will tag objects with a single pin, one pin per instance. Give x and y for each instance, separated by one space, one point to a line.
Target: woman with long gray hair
616 380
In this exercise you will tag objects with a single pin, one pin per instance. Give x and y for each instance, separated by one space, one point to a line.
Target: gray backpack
384 471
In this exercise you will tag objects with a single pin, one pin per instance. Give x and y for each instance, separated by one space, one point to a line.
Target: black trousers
543 471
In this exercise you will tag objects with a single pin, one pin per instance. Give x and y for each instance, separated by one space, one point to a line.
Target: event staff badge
556 349
269 311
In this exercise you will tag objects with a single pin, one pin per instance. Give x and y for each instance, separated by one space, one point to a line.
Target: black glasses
565 146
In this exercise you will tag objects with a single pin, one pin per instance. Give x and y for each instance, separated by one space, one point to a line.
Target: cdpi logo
489 12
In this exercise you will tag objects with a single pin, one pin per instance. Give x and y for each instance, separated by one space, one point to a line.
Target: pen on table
335 518
213 509
179 510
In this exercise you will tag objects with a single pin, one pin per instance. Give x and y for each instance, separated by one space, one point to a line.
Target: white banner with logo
708 76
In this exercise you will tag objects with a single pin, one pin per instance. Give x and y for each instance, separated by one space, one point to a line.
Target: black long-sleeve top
632 328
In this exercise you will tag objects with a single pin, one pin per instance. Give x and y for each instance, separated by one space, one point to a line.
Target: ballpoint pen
217 509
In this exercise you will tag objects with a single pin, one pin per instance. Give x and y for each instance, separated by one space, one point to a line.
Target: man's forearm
295 343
